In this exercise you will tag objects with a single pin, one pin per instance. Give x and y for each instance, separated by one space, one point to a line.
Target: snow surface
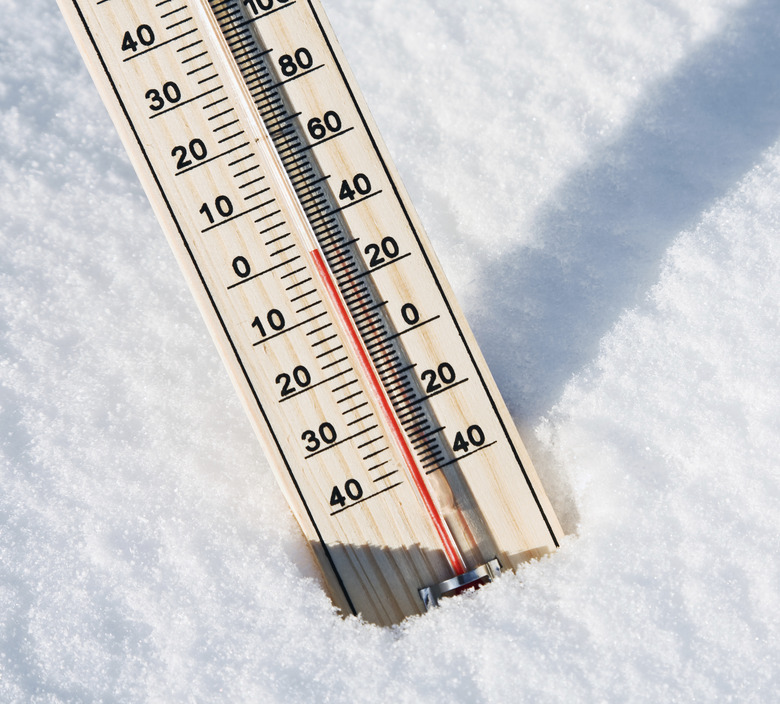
602 182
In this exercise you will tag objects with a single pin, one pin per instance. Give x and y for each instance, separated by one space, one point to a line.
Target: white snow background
601 180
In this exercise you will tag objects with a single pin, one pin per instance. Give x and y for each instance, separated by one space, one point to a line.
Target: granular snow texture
601 181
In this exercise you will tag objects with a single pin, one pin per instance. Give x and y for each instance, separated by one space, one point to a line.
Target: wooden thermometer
357 368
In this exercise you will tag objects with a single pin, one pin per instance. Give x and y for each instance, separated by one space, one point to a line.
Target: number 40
352 489
144 35
474 435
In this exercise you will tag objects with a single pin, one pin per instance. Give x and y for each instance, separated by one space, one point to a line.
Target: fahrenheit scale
358 371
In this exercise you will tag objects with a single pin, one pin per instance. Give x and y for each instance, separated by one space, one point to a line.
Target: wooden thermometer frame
344 340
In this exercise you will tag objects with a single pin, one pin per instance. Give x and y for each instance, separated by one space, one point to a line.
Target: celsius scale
356 366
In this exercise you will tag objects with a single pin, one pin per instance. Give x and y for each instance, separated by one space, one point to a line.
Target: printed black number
326 434
258 6
300 376
274 320
474 436
319 127
378 254
241 267
352 489
143 35
436 380
196 150
410 314
360 186
289 64
170 93
223 206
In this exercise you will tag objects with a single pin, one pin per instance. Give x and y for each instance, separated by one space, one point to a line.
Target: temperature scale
329 308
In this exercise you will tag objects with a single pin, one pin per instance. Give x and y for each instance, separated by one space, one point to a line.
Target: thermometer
361 378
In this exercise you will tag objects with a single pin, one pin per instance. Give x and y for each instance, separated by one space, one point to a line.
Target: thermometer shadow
606 230
382 584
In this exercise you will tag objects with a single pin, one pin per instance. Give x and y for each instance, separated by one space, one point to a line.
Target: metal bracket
479 575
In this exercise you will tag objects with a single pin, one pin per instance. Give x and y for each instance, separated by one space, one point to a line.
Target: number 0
410 314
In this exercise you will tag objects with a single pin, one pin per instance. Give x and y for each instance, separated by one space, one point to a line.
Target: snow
601 181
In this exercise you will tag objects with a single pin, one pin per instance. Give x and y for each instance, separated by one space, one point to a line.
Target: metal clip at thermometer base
484 574
312 271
